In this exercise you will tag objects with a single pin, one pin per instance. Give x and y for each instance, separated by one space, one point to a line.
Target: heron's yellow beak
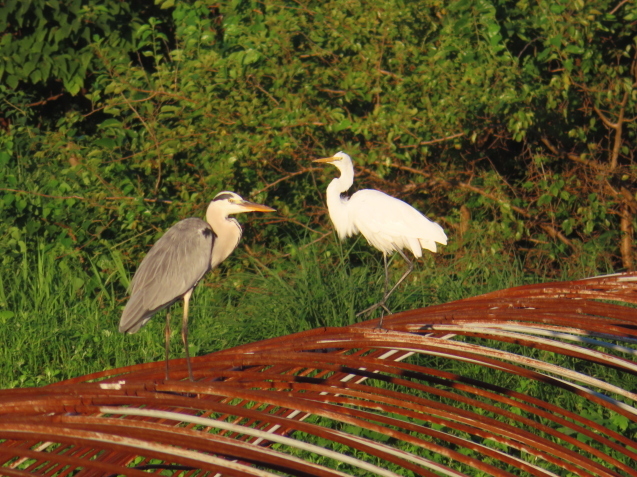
252 207
327 159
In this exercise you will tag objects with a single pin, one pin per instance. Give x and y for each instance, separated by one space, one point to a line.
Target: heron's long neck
337 205
228 232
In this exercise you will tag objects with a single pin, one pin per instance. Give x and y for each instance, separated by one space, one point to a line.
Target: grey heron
388 224
180 258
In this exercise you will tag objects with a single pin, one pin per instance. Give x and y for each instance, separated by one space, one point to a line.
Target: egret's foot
380 304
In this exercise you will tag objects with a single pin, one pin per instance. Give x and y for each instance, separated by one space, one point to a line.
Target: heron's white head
227 203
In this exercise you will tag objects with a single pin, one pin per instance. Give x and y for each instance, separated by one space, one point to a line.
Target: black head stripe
223 197
206 232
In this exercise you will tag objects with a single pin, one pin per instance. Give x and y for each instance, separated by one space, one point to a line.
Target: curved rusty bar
359 400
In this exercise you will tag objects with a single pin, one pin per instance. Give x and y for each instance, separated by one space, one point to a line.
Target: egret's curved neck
345 181
336 204
228 232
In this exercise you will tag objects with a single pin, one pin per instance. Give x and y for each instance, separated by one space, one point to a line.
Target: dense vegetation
510 123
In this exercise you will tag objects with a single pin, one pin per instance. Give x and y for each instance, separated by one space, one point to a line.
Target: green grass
59 317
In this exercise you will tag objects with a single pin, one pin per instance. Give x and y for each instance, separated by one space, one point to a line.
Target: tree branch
626 242
433 141
88 199
44 101
289 176
492 197
618 133
618 125
549 229
604 119
619 5
570 156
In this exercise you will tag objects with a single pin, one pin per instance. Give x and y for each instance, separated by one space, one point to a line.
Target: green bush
509 122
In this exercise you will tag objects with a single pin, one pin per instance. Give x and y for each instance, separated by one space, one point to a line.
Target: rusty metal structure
461 389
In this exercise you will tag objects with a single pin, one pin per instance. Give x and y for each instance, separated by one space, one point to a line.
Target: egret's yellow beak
327 159
252 207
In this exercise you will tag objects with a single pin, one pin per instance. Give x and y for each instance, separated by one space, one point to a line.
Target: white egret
388 224
180 258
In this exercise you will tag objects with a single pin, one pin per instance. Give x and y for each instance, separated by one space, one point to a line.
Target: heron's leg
167 331
184 332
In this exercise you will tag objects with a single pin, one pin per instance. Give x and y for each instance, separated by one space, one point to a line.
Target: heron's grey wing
174 265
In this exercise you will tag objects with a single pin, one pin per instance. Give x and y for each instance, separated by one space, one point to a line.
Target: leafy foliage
512 123
48 42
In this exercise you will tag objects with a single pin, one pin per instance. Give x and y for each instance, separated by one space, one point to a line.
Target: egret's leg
167 332
381 303
184 332
410 264
373 307
386 276
385 295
